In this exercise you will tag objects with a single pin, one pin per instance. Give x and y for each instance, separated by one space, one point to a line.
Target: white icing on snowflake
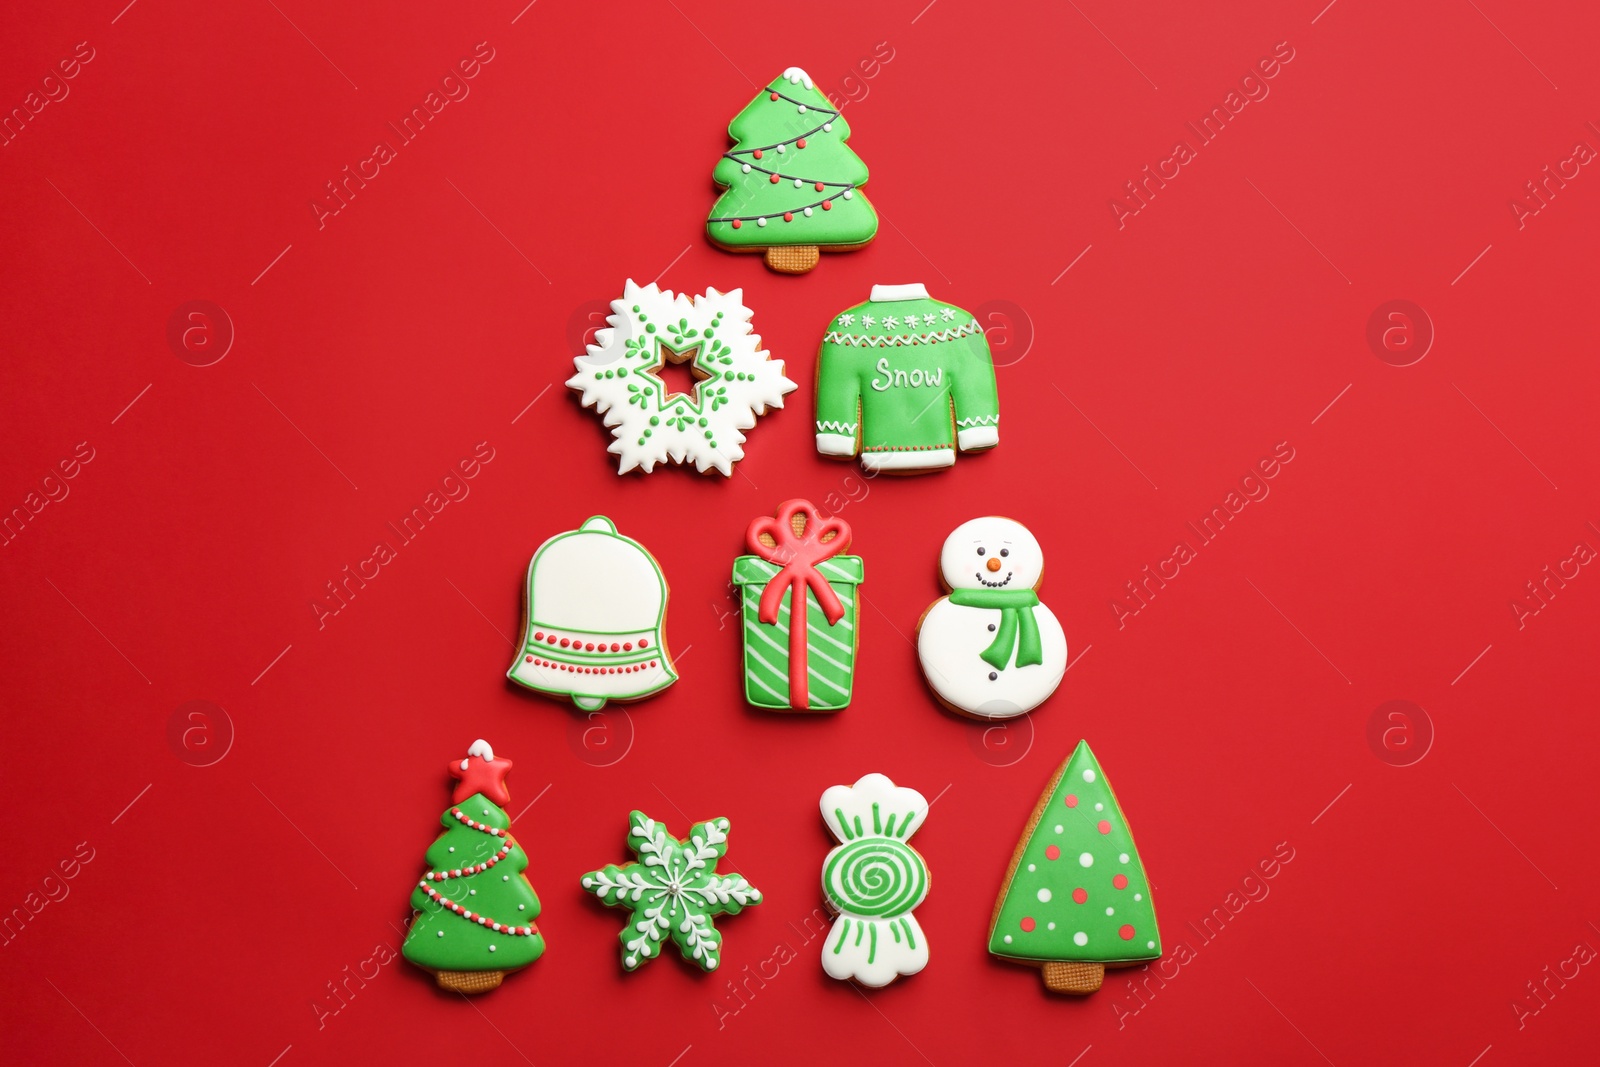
947 314
890 322
796 76
846 319
650 425
927 320
867 320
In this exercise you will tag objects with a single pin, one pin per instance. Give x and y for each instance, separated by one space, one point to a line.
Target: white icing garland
899 340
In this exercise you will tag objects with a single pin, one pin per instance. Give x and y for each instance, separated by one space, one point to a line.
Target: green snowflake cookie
673 890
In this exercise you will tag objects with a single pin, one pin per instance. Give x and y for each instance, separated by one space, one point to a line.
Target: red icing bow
797 553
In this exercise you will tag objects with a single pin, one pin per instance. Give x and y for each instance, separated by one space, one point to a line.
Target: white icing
482 749
827 127
1086 860
1111 911
909 291
1080 938
953 637
464 765
753 380
600 583
796 76
1099 807
1088 775
1044 896
1032 867
1122 858
1050 926
843 807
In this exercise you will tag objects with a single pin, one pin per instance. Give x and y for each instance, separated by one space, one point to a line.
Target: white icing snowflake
948 313
927 320
890 322
867 320
736 379
846 319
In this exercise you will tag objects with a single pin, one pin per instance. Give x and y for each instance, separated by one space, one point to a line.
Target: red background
373 353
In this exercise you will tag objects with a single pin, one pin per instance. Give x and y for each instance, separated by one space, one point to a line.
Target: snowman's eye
1005 552
980 551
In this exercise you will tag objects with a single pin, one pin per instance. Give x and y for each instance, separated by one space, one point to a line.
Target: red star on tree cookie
480 772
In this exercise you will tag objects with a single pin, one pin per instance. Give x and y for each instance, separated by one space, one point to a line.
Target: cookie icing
595 611
735 379
872 880
990 648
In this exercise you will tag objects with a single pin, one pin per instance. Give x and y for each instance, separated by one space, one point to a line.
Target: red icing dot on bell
1126 933
788 216
590 648
1104 827
538 636
801 143
827 205
551 639
1051 852
615 646
627 646
565 642
529 659
1080 896
773 96
774 179
736 224
1072 801
1120 881
643 643
1028 925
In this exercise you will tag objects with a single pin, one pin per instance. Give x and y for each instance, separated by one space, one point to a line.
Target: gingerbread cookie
872 880
596 605
674 891
679 378
797 597
990 649
475 909
1076 899
793 187
905 381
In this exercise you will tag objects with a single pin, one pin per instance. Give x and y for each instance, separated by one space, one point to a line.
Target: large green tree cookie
1076 899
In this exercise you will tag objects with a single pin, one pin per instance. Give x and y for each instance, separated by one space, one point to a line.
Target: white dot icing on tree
1086 860
1044 896
1088 775
1123 858
1080 938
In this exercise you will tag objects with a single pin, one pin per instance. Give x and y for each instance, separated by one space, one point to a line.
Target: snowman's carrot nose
993 564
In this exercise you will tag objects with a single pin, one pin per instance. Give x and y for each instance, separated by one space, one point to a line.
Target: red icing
565 642
774 179
819 187
627 646
788 216
1120 881
801 143
1028 925
1051 852
1104 827
1072 801
1126 933
643 643
827 205
797 555
538 635
1080 896
774 96
481 776
756 153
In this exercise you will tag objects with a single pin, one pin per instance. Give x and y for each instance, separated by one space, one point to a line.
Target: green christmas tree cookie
1076 899
475 908
793 187
674 891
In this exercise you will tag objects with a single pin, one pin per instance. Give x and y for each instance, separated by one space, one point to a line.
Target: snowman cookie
990 649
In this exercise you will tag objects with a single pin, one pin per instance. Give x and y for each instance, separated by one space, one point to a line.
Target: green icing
1039 917
752 196
831 653
896 381
442 940
674 891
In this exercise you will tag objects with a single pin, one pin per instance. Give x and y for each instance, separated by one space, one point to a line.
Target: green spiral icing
875 877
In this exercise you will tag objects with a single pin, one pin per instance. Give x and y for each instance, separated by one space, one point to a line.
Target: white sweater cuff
836 444
978 437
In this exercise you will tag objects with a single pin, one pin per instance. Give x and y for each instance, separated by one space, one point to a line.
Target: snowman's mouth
994 585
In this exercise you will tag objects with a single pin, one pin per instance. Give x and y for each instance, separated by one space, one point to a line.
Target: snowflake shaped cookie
624 376
674 891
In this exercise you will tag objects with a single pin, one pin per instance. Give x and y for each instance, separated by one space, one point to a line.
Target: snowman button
991 627
993 676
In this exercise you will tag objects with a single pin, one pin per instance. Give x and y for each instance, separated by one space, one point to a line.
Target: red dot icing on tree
773 96
1051 852
1072 801
1104 827
1028 924
1080 896
756 153
801 143
1126 933
1120 882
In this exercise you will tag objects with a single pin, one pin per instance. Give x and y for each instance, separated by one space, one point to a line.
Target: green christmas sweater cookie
475 909
904 381
1076 899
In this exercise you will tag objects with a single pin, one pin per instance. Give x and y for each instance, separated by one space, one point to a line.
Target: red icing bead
530 659
801 143
774 96
756 153
788 216
737 224
1051 852
1080 896
1120 881
774 179
1072 801
1028 924
827 205
1104 827
565 642
627 646
643 643
550 640
819 187
589 647
615 647
1126 933
538 636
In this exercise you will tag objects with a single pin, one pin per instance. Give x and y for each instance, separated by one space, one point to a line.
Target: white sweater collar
913 291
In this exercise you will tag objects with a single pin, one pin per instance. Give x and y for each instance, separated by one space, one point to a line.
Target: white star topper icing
735 379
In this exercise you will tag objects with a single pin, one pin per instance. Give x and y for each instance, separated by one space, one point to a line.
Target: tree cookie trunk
1079 978
793 259
469 981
